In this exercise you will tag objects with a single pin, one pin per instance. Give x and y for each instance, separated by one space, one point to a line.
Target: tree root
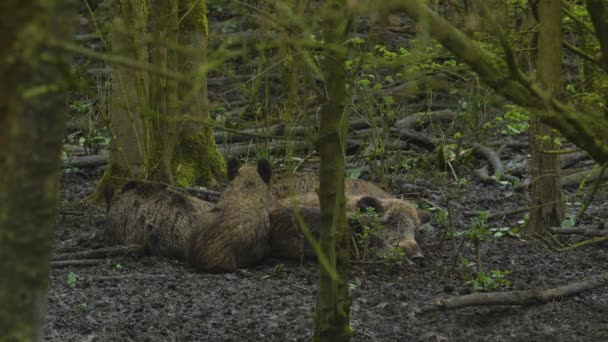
521 297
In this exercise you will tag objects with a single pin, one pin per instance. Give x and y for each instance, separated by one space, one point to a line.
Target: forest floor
155 299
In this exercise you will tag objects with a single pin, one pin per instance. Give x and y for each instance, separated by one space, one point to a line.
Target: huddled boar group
254 218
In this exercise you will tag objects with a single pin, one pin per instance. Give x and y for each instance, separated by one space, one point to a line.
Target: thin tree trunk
197 153
547 207
130 147
32 109
333 304
164 103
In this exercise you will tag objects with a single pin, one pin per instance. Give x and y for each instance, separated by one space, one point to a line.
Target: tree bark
32 113
333 303
197 153
547 209
164 102
129 93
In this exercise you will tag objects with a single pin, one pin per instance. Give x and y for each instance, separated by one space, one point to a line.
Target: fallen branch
101 253
521 297
570 159
425 118
592 241
587 176
86 161
417 138
592 231
131 277
498 214
204 194
495 164
68 263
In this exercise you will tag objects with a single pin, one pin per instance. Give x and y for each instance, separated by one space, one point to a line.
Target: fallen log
587 176
86 161
521 297
591 231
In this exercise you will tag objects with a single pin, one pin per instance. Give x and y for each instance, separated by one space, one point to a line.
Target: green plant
396 258
80 107
493 281
354 173
478 231
507 231
367 227
72 279
355 284
278 269
516 120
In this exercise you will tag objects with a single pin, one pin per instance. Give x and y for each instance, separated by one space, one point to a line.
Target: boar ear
232 168
265 170
370 202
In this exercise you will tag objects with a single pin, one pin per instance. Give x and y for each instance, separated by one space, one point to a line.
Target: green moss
185 174
199 152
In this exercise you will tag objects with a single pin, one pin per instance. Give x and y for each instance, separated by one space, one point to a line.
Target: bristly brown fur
235 233
223 237
399 217
154 216
287 184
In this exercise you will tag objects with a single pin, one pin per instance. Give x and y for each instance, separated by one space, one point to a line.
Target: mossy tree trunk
547 208
160 127
32 108
333 303
198 158
129 100
164 105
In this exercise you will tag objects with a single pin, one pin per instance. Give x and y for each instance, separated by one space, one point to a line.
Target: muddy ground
155 299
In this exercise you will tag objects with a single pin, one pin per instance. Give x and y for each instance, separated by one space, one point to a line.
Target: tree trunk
129 97
129 149
198 158
547 206
333 303
164 103
32 110
160 129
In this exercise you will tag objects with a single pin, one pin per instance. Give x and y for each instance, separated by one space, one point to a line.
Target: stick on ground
101 253
522 297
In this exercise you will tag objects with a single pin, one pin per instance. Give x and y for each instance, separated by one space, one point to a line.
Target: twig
583 243
592 194
67 263
499 214
101 253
